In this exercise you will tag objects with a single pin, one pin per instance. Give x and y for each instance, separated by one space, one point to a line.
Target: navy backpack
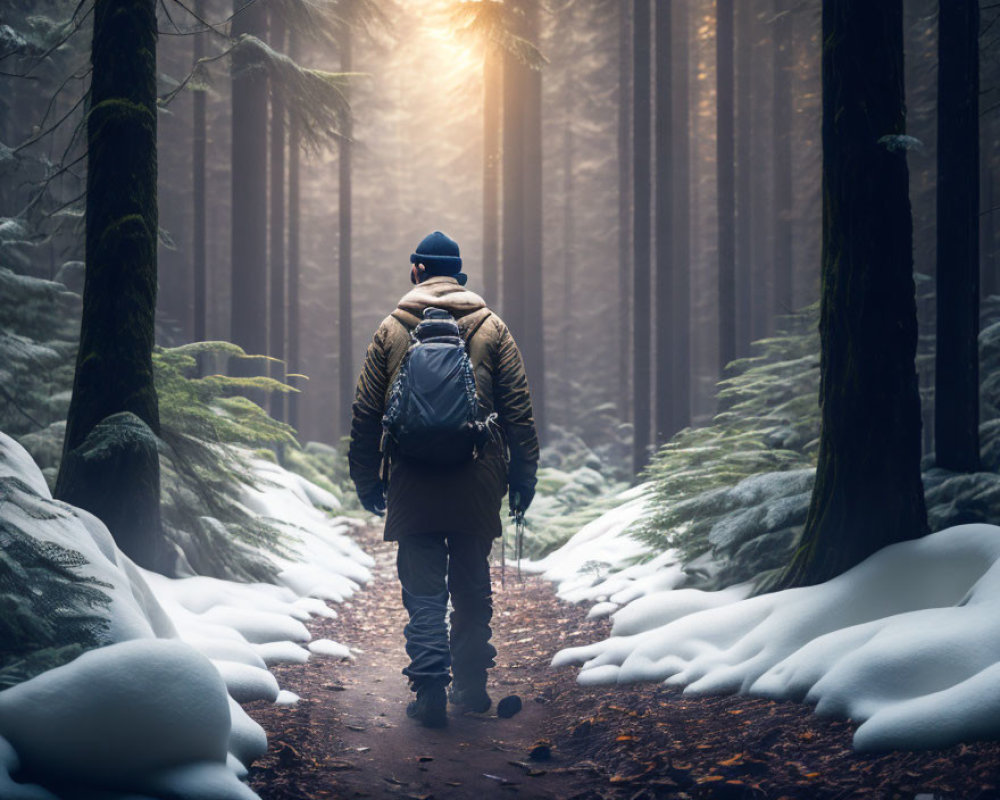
432 415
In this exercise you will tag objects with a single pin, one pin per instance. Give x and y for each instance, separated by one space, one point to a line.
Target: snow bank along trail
155 712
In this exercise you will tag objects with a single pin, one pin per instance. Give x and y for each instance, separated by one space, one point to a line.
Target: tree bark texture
249 195
347 375
868 491
665 413
114 369
641 226
512 307
726 180
956 390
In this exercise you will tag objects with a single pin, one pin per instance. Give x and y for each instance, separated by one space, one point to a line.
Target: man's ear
413 274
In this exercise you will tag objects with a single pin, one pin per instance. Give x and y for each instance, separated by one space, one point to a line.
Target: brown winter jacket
463 499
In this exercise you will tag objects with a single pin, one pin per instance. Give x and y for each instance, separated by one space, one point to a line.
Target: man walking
445 518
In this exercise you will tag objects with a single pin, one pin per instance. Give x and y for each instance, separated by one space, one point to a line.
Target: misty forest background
636 188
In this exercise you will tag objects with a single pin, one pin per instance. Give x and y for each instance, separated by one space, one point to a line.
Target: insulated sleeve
364 454
513 405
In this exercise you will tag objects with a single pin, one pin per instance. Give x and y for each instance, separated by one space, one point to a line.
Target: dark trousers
431 567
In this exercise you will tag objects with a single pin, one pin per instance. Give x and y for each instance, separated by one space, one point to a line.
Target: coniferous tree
294 248
782 302
624 207
199 137
641 170
249 190
956 391
868 491
681 315
666 416
114 473
276 297
744 184
726 197
348 378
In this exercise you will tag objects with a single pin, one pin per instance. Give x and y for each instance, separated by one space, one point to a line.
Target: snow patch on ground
155 711
908 642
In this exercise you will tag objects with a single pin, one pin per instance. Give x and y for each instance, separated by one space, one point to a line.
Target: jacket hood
442 292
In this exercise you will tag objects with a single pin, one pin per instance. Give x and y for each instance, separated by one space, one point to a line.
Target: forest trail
349 737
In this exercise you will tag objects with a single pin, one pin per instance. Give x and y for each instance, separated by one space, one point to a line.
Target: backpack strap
472 323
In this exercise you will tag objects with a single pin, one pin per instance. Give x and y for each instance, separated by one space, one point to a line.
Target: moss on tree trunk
114 369
868 491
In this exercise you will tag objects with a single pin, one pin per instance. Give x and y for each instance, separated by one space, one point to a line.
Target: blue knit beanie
439 255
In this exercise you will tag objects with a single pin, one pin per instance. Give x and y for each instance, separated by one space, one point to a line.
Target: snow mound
327 647
907 642
89 721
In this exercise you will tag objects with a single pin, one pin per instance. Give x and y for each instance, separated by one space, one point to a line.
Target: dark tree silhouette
276 297
681 315
641 201
492 103
249 191
665 414
868 491
624 207
348 378
744 184
726 188
782 288
113 471
198 143
956 390
294 247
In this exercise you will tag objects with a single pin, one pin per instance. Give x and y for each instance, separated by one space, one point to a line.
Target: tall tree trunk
276 347
569 258
624 208
782 302
744 186
868 492
513 193
641 167
348 379
294 216
989 279
534 346
492 98
665 415
956 389
249 194
681 313
199 139
726 190
762 51
110 467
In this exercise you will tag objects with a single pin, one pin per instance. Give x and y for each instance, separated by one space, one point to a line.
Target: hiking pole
518 539
503 559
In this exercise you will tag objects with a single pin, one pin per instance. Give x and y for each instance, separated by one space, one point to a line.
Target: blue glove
374 500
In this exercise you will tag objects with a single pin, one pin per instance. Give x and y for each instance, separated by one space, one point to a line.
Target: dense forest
749 251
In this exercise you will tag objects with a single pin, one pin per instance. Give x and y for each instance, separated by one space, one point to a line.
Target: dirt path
349 737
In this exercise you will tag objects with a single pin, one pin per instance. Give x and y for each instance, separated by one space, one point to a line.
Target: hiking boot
430 707
470 698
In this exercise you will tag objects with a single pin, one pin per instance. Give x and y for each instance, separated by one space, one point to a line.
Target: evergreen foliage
210 432
49 613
